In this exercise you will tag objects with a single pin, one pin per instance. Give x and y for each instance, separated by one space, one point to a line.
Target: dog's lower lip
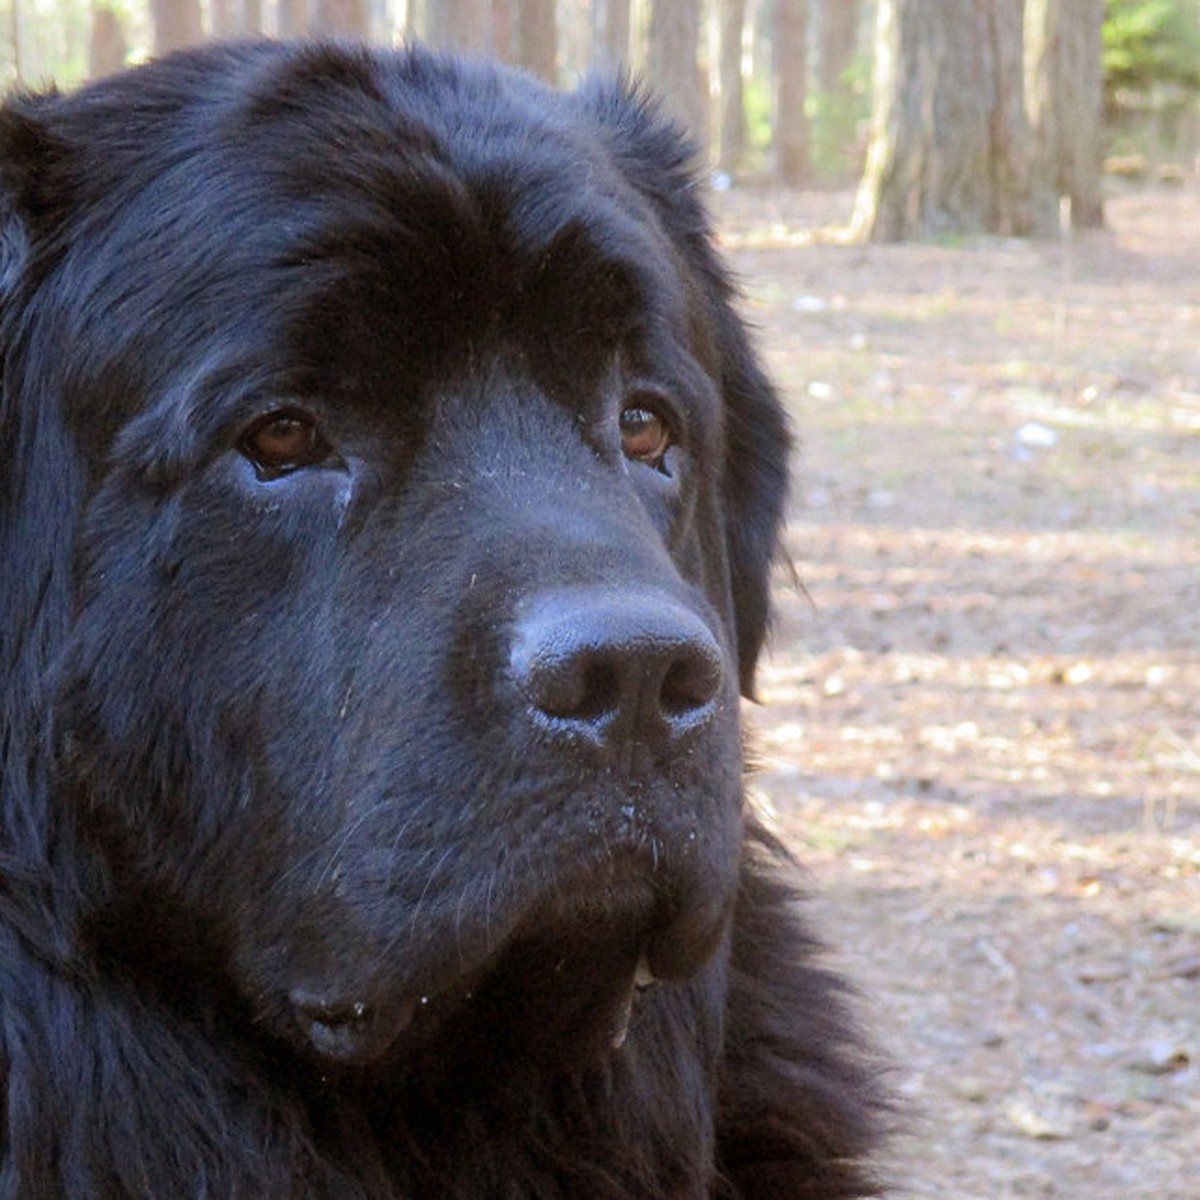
352 1031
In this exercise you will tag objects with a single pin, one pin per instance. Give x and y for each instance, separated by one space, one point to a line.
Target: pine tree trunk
459 24
293 16
837 36
537 38
790 60
1064 96
610 33
672 65
342 18
250 19
951 149
107 47
733 105
176 24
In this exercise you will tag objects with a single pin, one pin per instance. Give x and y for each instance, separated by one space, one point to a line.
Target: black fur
316 880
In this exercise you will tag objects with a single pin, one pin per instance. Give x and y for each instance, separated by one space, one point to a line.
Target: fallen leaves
981 728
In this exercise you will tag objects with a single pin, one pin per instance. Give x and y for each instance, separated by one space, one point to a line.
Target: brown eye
282 442
645 436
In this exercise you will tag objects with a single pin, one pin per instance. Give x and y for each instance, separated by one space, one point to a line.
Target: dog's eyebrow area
600 278
448 261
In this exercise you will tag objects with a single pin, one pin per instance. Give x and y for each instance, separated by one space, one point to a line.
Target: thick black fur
265 749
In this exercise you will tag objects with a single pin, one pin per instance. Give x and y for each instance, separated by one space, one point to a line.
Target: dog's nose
616 669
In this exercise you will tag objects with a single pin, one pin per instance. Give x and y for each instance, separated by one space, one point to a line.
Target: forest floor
980 726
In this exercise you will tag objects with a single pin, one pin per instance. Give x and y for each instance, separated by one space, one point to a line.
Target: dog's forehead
436 201
450 159
345 211
347 226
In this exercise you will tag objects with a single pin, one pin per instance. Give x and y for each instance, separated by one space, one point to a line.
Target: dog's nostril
570 687
690 683
617 667
601 690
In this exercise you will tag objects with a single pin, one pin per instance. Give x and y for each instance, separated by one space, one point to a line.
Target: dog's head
389 493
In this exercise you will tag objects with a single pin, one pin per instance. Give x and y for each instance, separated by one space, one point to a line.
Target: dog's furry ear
659 160
41 474
756 478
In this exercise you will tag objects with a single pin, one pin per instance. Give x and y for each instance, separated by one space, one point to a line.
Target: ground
980 718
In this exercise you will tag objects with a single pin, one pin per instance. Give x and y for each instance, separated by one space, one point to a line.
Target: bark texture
791 90
1064 95
951 149
672 66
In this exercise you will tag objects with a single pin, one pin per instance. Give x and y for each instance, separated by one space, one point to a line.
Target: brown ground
981 726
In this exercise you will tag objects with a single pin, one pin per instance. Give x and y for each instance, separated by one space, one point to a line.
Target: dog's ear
41 475
659 160
757 447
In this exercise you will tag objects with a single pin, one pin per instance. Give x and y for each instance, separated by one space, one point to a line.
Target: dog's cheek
190 614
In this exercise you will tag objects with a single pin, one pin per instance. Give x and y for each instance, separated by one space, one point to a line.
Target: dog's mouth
544 1000
563 989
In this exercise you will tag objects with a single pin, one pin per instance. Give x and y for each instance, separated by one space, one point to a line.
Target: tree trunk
837 38
951 150
250 17
176 24
733 105
222 21
107 47
293 16
1064 95
790 65
672 65
610 33
342 18
460 25
537 38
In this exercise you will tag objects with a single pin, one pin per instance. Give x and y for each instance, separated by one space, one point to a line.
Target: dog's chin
561 998
528 1008
560 989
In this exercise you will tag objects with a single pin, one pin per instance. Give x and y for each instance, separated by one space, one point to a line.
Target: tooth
624 1013
643 977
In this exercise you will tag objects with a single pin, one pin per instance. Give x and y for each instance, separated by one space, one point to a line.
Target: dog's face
424 490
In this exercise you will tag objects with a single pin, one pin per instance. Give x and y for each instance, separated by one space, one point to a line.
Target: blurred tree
790 65
106 47
732 145
951 149
610 33
1152 75
176 24
840 103
837 40
459 24
292 17
1148 43
250 17
342 18
222 19
672 64
1064 97
536 40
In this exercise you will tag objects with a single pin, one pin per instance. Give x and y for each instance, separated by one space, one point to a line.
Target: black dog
387 502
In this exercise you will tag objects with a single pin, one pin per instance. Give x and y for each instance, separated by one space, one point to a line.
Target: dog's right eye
645 435
282 442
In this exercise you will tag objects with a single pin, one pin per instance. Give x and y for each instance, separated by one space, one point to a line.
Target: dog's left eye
284 441
645 436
